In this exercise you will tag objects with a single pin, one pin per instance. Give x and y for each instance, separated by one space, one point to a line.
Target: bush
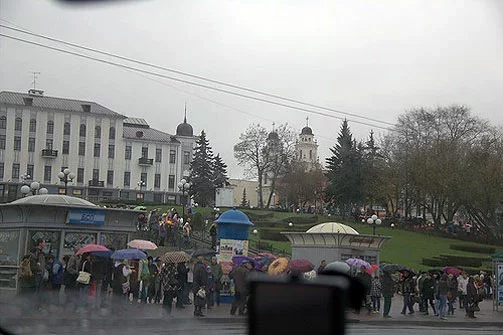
254 216
197 220
272 235
433 262
301 219
473 248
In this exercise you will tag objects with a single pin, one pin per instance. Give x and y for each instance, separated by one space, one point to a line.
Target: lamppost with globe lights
255 232
34 189
141 183
66 176
374 220
24 177
183 186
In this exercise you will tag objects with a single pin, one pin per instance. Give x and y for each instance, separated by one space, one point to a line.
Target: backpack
25 269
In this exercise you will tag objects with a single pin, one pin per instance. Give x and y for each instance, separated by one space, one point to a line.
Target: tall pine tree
244 201
344 173
219 176
201 172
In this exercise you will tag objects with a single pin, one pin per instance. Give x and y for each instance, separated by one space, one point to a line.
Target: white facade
108 153
224 197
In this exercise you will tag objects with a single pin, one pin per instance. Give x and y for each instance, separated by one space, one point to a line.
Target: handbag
201 293
474 308
126 287
84 277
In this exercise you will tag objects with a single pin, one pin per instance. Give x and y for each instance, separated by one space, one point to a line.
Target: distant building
112 156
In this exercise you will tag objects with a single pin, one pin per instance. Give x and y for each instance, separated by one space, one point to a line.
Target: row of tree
442 162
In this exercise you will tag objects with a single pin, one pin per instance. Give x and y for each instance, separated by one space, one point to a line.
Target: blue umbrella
129 254
104 254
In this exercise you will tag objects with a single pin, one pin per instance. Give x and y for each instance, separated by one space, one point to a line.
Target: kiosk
233 234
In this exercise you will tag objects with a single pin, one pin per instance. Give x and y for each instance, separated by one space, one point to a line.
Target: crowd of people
47 281
166 228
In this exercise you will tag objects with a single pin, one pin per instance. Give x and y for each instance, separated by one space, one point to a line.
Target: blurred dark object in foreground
293 305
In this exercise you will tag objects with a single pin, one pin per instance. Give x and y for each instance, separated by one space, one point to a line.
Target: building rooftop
41 101
52 199
135 122
140 132
332 227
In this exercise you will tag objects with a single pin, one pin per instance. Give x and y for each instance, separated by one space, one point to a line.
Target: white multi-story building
112 156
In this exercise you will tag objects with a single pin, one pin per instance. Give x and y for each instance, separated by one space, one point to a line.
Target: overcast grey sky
372 58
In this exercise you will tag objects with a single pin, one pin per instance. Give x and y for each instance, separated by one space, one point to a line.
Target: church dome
306 131
273 136
332 227
184 129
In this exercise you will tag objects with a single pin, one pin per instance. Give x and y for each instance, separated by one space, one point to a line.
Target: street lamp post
66 176
141 184
24 177
183 186
374 220
34 188
255 232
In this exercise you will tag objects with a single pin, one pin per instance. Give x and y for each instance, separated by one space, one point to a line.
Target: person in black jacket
428 293
472 297
387 289
407 287
182 283
199 286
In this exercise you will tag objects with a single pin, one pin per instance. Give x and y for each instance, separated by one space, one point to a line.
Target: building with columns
112 157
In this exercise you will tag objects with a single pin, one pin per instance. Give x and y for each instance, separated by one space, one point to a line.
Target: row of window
18 126
97 149
16 168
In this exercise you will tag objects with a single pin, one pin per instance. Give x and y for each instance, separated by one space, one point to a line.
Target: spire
185 114
273 124
307 121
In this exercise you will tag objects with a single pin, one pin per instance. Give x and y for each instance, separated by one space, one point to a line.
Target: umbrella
391 267
175 257
301 265
266 255
358 263
279 266
142 244
263 261
412 272
129 254
240 259
337 267
451 270
88 248
203 252
104 254
372 269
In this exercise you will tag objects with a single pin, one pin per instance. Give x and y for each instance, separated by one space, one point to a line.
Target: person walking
472 299
443 288
182 283
162 232
240 275
216 270
38 268
170 287
419 281
407 288
462 284
55 268
387 288
428 293
154 272
26 277
120 283
452 283
70 274
210 287
85 266
186 233
199 287
213 235
375 295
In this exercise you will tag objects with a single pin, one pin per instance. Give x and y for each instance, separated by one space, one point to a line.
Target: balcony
49 153
96 183
144 161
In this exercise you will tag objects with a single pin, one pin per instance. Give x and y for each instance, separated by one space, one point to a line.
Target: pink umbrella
142 245
301 265
88 248
451 270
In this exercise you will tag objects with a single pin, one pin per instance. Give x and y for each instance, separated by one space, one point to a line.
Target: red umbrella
301 265
372 269
88 248
451 270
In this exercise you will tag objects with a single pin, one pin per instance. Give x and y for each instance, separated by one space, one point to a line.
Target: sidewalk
152 314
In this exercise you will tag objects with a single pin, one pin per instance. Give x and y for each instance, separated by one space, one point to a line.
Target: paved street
149 319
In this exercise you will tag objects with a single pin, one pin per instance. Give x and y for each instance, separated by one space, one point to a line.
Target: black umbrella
391 267
203 252
412 273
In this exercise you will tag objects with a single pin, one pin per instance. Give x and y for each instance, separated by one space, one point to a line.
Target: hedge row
301 219
254 216
473 248
454 260
272 235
